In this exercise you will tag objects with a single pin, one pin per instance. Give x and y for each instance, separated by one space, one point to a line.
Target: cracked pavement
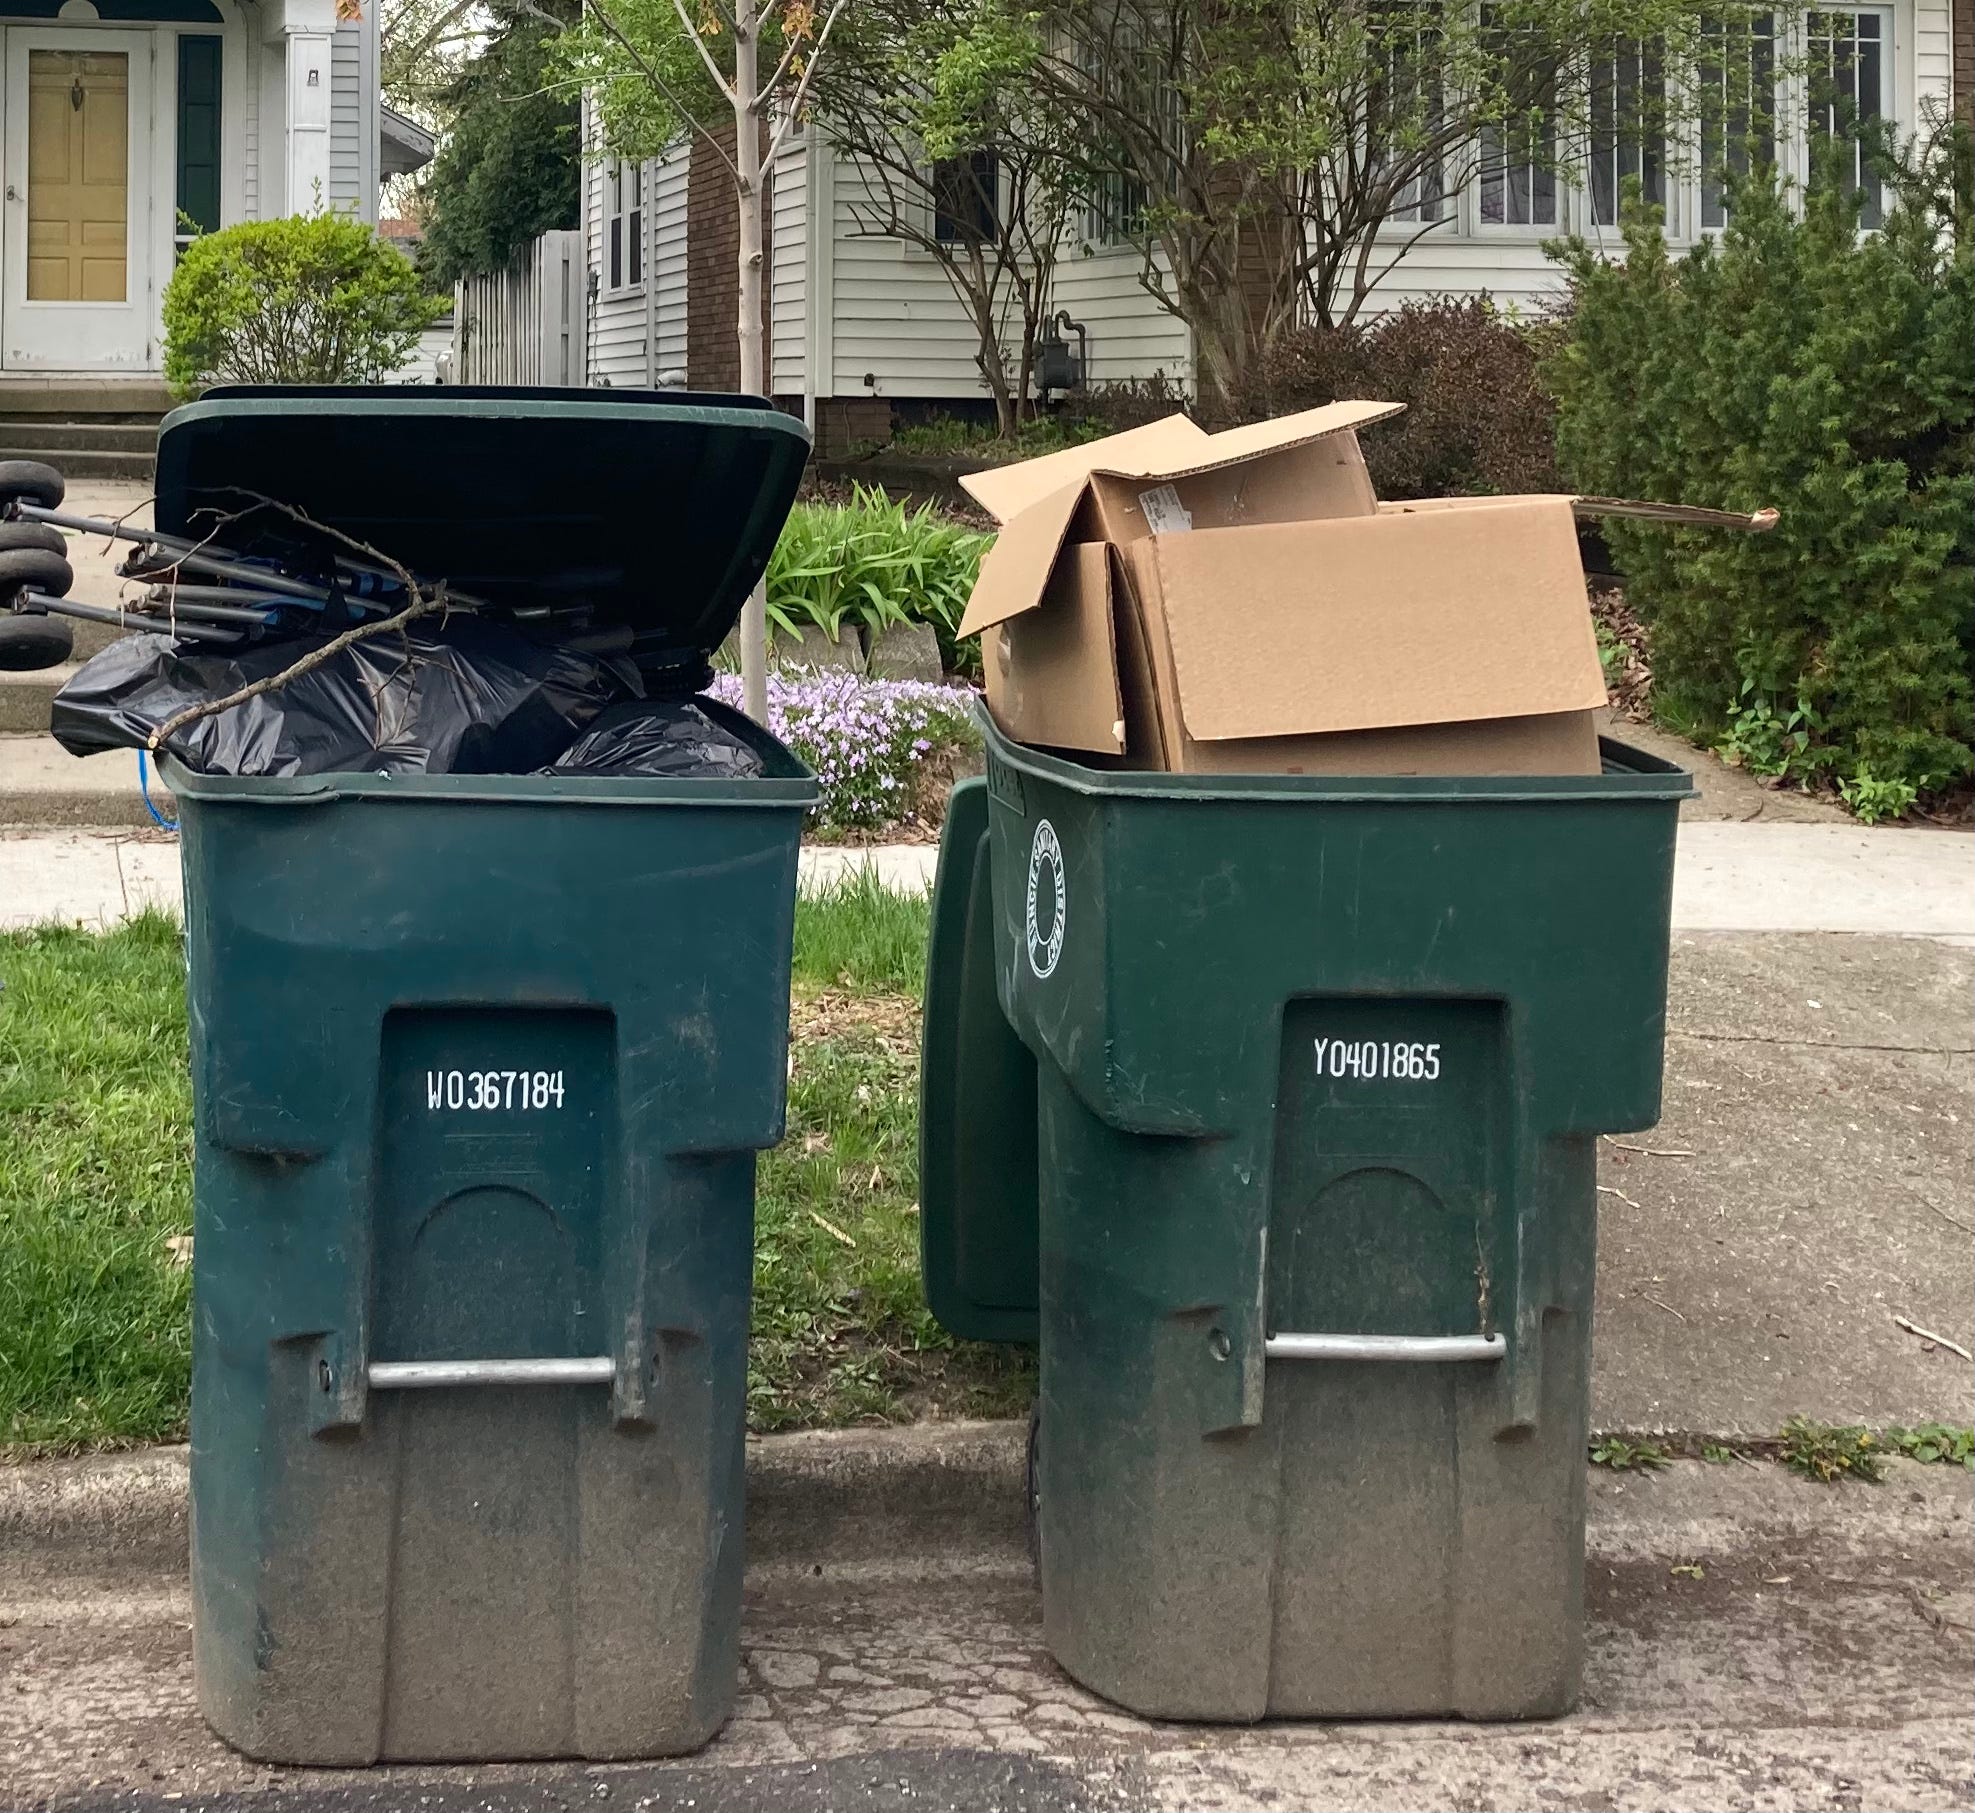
1755 1641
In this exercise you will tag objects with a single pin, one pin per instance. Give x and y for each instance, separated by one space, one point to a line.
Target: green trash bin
1313 1072
480 1066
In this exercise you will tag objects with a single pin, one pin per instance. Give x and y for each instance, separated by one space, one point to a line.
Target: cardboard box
1242 603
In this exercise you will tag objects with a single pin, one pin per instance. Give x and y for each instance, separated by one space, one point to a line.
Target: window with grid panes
1406 101
1517 179
967 199
1627 129
1738 106
1848 56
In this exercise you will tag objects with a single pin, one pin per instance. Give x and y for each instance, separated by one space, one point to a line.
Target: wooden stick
1649 1151
1750 522
1605 1189
1927 1334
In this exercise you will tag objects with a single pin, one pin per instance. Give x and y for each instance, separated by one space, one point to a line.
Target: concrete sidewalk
1754 1641
1727 877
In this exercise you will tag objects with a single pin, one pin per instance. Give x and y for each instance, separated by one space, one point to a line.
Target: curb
821 1499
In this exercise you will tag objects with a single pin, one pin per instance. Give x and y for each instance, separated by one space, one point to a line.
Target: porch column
300 32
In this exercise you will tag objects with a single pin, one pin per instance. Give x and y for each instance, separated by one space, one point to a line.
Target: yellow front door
78 175
77 251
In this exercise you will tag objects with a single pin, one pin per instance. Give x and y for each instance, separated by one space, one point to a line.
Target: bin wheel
45 571
30 482
1032 1494
28 644
33 535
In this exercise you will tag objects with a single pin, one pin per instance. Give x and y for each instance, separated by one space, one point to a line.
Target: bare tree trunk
754 374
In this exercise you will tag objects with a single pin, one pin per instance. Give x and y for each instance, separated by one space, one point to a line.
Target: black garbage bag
464 697
675 739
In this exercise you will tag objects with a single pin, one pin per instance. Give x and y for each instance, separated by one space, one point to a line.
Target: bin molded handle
423 1375
1426 1349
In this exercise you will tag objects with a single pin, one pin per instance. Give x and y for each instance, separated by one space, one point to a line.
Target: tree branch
686 25
802 90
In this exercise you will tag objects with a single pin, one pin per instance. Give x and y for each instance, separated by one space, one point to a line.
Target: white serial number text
493 1091
1379 1060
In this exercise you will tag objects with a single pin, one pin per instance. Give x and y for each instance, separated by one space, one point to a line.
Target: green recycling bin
1268 1107
481 1064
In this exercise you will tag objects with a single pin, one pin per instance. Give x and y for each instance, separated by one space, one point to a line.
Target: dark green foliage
511 168
1476 419
1799 365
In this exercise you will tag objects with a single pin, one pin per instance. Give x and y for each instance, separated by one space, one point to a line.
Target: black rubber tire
31 482
28 644
46 572
33 535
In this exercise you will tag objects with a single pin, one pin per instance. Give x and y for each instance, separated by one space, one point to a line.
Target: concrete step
89 463
42 784
37 437
25 699
77 398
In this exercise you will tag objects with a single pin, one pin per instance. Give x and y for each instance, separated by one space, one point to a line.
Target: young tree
1273 159
953 154
657 69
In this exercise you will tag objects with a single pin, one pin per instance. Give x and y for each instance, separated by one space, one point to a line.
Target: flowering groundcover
866 739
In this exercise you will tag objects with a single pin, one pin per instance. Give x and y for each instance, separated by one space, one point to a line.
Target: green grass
858 934
95 1185
95 1179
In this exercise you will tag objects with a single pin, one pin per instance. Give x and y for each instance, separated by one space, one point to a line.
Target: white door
75 277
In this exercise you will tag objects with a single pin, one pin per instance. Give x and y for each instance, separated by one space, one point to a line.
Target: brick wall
846 425
713 276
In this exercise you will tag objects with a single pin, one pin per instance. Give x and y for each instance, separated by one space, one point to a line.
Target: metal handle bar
422 1375
1427 1349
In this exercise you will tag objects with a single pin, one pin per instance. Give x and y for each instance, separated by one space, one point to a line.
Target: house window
1117 209
1517 178
1848 57
1405 112
1738 107
967 199
1120 200
624 224
198 183
1627 129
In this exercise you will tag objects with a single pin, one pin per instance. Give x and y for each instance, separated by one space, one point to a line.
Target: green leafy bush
873 563
1477 419
311 299
1798 364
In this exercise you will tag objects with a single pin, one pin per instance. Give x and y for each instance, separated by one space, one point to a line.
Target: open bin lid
654 510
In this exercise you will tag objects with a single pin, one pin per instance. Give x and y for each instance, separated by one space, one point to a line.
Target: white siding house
855 316
119 118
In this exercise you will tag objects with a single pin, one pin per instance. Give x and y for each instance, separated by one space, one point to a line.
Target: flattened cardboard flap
1015 570
1037 501
1372 622
1173 448
1005 491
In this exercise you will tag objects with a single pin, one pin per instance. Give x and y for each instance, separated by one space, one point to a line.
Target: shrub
1124 403
1477 419
953 437
312 299
511 166
873 563
867 740
1797 364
